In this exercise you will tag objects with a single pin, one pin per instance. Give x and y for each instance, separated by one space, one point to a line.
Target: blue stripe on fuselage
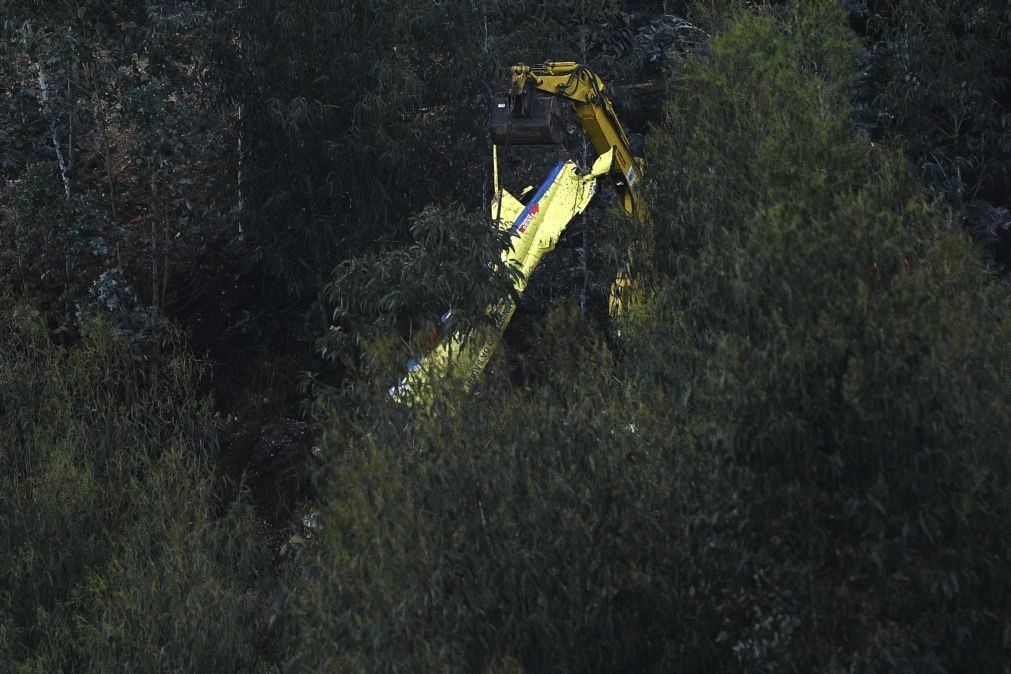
540 193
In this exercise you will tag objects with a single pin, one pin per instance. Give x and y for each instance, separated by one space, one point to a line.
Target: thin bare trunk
106 150
155 216
44 94
164 276
584 254
241 205
71 131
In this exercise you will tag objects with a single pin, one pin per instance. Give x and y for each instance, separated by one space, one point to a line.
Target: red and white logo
529 217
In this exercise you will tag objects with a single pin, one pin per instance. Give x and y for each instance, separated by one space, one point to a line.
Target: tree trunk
44 95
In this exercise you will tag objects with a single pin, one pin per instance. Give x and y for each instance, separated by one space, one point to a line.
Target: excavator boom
585 91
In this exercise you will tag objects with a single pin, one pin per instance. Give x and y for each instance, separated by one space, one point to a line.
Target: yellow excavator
530 115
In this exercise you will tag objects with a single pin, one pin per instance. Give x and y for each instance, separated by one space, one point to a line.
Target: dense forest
226 225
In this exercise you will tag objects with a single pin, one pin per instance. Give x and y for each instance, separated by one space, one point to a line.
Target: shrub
115 550
546 525
843 344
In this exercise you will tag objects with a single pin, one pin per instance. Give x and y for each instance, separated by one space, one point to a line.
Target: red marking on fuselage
530 216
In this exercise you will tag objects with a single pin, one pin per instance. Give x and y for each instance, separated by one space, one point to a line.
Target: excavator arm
586 92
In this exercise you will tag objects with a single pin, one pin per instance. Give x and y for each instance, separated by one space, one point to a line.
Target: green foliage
114 550
843 347
547 525
57 249
134 116
249 148
455 263
335 125
797 460
937 77
791 456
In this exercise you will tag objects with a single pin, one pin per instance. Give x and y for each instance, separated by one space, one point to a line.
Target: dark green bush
115 552
843 345
547 525
454 262
936 78
58 252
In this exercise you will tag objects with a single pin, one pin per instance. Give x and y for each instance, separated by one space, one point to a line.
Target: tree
841 349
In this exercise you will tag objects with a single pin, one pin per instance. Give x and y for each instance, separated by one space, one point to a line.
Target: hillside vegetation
226 226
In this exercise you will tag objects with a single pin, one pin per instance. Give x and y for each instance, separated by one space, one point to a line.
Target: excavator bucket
531 119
